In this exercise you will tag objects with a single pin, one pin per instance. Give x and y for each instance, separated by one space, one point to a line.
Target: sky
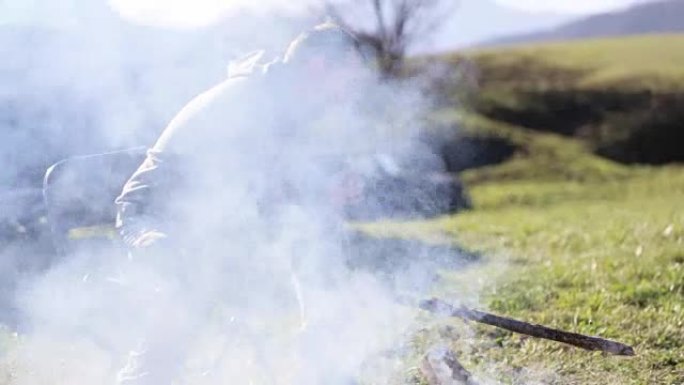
194 13
188 12
566 6
197 13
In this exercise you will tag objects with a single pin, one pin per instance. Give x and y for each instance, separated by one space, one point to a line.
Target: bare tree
389 27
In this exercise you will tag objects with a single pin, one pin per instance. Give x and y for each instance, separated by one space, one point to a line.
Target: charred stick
579 340
433 368
458 372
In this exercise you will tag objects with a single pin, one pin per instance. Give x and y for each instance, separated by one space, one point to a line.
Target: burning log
579 340
440 367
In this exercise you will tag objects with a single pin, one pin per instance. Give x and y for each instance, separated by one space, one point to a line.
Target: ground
571 240
601 258
566 237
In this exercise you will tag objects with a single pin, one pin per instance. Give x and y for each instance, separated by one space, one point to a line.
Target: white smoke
189 14
271 301
232 315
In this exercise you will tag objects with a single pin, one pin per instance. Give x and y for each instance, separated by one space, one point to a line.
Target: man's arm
141 220
145 208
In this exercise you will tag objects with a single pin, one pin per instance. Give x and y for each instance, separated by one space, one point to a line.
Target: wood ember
579 340
440 367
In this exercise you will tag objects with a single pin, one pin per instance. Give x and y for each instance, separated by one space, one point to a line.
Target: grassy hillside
594 255
542 156
623 97
649 62
568 238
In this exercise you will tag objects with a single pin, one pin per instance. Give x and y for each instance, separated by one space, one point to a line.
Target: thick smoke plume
275 301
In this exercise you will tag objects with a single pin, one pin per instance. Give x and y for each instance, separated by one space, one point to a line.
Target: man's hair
327 39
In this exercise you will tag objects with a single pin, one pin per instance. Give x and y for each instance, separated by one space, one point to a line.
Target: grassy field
568 238
602 258
622 97
572 241
537 155
640 62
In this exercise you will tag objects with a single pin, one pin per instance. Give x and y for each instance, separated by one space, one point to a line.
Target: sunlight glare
189 13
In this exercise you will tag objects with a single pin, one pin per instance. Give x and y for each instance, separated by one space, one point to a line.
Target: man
246 143
256 114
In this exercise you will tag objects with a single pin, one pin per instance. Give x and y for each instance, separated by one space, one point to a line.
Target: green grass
622 97
569 239
652 61
597 257
539 156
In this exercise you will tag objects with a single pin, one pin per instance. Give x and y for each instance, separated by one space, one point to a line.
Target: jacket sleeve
142 208
145 208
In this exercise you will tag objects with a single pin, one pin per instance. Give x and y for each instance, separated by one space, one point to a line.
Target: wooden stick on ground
579 340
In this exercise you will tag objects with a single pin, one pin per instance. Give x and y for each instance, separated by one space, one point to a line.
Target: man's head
327 40
328 58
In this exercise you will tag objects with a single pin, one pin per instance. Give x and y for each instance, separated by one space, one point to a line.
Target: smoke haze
271 297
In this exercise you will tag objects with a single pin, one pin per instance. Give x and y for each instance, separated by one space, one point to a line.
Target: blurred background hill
655 16
476 21
621 98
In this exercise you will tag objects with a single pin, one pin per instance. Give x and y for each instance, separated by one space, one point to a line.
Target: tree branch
380 18
396 24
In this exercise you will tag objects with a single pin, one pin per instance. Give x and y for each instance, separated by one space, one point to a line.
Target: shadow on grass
405 264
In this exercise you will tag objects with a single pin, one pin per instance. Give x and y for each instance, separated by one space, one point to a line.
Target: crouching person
192 209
